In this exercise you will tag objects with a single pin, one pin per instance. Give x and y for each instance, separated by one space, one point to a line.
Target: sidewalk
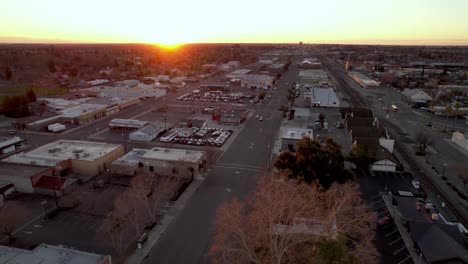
158 231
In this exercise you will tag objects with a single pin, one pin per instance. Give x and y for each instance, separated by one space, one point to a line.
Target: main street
234 175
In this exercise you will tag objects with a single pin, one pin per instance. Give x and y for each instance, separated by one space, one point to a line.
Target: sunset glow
174 22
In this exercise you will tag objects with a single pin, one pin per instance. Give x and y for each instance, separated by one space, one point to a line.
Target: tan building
88 158
163 161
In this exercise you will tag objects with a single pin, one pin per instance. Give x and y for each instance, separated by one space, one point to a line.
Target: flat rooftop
131 158
82 109
75 149
19 170
33 159
128 122
6 142
48 254
296 133
171 154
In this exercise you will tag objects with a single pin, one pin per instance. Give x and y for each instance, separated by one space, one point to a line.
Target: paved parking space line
393 232
404 260
393 242
402 248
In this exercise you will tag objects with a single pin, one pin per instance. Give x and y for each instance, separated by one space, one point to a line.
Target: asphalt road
188 239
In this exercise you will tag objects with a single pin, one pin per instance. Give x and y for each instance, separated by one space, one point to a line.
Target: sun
169 46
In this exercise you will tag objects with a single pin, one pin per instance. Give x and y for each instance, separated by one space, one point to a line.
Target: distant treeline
18 105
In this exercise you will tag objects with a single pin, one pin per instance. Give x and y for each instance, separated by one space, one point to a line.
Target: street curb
158 232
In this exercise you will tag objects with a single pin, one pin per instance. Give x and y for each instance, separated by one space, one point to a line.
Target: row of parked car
217 137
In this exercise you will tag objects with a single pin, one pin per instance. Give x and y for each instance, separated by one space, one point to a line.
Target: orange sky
311 21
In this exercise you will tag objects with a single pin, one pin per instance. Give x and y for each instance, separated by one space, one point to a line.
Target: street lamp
443 170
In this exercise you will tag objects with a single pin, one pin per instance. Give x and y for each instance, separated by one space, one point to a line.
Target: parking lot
197 136
388 240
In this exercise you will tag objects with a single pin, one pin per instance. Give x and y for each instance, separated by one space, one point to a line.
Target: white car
260 118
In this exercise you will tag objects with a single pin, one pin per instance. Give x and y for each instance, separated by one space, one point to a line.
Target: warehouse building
88 158
363 80
127 124
324 97
148 133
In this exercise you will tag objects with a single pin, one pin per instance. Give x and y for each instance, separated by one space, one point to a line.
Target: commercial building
314 78
172 162
88 158
301 113
310 63
238 73
415 96
148 133
26 178
127 124
49 254
231 116
324 97
9 146
461 139
129 163
84 113
257 81
291 135
363 80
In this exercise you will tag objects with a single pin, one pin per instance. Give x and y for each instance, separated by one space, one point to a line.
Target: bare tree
149 191
284 220
113 227
10 216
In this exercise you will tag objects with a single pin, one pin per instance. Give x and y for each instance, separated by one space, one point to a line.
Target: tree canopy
290 222
313 160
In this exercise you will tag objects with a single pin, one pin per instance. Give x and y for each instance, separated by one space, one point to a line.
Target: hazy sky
173 21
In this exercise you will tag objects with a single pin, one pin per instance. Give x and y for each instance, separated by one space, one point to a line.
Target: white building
461 139
148 133
9 146
363 80
49 254
291 135
324 97
127 124
416 96
257 81
84 113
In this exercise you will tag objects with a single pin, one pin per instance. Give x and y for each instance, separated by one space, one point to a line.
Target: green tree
361 157
314 161
262 95
329 251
